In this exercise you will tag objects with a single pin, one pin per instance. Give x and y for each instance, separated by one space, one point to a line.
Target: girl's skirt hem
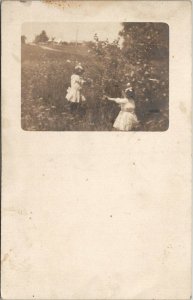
125 121
74 95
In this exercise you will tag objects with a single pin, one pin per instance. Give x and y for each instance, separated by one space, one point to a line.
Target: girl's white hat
129 87
79 67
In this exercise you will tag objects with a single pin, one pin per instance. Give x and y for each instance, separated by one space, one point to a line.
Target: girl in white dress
74 93
126 119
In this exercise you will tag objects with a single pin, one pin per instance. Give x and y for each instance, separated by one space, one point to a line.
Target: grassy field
45 79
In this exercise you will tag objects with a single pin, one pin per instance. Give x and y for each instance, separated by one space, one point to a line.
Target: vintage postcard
96 150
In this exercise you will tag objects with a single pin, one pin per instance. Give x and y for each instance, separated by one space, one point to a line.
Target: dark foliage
41 38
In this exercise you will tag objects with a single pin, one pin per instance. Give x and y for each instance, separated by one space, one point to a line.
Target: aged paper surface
97 215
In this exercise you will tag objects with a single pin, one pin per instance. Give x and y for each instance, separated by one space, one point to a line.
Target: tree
145 40
146 48
41 38
23 39
109 53
142 61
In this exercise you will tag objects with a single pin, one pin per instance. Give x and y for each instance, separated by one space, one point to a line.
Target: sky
69 31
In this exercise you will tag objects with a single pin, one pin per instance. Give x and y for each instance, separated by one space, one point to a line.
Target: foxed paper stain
166 253
26 2
20 212
61 4
182 107
5 257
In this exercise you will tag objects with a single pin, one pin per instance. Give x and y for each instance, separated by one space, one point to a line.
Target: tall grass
46 77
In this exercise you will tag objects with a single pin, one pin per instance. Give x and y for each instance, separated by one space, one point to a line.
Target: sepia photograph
95 76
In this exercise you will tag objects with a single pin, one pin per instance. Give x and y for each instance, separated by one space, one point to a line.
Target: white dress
126 118
74 93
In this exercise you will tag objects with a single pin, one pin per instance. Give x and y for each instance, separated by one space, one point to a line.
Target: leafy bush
148 76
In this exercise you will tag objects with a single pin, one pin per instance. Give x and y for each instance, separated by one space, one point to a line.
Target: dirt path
51 49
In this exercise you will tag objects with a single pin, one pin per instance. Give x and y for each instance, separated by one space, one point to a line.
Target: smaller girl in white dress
74 93
126 119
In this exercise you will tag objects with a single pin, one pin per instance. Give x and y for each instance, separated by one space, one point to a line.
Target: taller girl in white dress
74 93
126 119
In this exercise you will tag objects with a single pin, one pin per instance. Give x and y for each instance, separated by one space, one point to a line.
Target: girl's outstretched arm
118 100
111 99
